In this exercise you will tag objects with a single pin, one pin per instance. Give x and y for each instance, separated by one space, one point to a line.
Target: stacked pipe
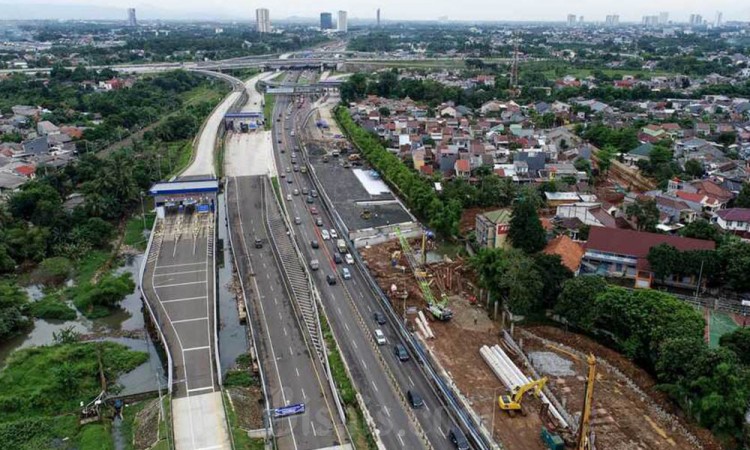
424 326
512 377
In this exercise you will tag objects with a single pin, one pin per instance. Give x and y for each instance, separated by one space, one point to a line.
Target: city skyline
472 10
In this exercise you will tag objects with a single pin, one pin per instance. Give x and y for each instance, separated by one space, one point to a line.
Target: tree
646 214
577 301
604 158
735 257
738 341
510 276
13 305
694 168
553 275
664 260
701 229
743 198
526 231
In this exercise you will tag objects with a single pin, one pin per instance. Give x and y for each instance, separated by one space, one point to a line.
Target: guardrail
481 439
252 333
157 323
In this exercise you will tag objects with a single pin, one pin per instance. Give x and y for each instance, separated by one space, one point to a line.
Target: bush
53 271
52 307
95 299
239 377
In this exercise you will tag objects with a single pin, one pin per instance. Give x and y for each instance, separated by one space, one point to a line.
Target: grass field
134 235
269 101
719 324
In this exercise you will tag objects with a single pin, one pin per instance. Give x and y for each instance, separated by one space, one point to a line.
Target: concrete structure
326 21
624 253
663 18
491 228
378 17
341 23
719 19
262 20
696 19
571 20
734 220
612 20
132 22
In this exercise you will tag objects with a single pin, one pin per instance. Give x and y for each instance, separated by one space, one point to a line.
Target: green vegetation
241 440
52 306
526 232
134 235
241 375
96 436
14 304
97 299
40 389
268 103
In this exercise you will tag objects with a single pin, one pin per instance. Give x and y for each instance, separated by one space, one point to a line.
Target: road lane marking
201 389
410 380
285 333
400 439
178 273
179 284
185 299
346 325
297 370
189 320
157 267
196 348
387 413
312 424
363 363
373 385
303 393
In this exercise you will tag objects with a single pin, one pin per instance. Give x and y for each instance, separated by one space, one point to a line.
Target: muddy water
127 318
232 334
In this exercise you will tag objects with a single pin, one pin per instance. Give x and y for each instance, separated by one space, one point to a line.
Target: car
379 317
349 258
415 400
313 193
295 192
458 438
290 180
288 170
337 258
282 175
309 200
324 234
279 141
282 150
258 243
305 191
346 274
333 233
319 221
379 336
303 169
297 220
313 210
289 197
331 280
314 243
400 351
296 168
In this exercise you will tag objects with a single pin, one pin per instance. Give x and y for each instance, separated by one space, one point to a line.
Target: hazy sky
550 10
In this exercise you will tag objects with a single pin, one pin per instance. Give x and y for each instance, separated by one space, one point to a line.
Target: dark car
309 199
330 279
415 400
279 141
314 243
258 243
400 352
458 438
337 258
378 316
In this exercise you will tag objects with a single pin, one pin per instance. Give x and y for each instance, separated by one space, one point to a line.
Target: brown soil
146 426
620 402
248 405
621 418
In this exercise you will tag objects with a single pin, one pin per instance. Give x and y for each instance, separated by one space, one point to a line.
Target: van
458 438
379 336
341 246
314 264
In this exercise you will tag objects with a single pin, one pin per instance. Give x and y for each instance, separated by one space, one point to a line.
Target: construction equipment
439 310
512 401
365 214
551 440
584 439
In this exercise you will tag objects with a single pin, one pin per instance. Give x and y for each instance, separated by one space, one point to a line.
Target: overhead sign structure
291 410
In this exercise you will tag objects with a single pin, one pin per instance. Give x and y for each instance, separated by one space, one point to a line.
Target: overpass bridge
281 87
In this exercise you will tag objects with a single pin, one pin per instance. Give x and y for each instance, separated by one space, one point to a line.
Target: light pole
143 213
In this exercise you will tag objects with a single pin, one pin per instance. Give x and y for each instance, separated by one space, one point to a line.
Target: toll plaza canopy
185 192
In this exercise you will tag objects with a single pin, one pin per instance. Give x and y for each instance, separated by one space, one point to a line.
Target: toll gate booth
190 196
243 122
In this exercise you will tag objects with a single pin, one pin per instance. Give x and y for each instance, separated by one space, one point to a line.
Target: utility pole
143 213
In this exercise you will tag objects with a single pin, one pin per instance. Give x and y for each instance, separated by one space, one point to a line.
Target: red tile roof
737 214
638 243
570 252
26 171
462 165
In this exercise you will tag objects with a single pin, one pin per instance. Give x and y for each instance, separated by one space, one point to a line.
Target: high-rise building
132 22
326 21
571 20
612 20
341 25
580 20
696 20
262 20
378 17
650 21
663 18
719 18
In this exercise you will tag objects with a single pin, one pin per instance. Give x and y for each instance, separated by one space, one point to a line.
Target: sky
465 10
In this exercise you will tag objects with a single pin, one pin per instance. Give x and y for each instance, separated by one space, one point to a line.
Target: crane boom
584 429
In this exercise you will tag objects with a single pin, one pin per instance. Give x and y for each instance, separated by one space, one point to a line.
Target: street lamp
143 213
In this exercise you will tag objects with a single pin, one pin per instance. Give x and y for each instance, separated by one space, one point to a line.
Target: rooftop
638 243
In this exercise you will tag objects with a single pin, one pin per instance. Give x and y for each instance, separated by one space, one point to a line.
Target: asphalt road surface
341 300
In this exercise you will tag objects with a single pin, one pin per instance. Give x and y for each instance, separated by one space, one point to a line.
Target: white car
324 234
334 235
379 337
295 192
289 197
346 274
349 259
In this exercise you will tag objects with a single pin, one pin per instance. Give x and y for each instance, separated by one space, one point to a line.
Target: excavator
512 401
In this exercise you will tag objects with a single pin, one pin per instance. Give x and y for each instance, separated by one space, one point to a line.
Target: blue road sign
290 410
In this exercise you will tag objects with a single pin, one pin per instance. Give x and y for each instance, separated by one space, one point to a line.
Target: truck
341 246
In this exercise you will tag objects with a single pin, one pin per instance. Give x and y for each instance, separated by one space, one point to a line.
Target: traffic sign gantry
289 410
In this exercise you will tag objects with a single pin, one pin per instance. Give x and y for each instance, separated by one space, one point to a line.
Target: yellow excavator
512 401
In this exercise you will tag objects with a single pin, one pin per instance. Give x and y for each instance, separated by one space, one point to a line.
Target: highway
346 303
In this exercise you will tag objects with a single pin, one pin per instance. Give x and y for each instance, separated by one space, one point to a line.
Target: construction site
533 388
